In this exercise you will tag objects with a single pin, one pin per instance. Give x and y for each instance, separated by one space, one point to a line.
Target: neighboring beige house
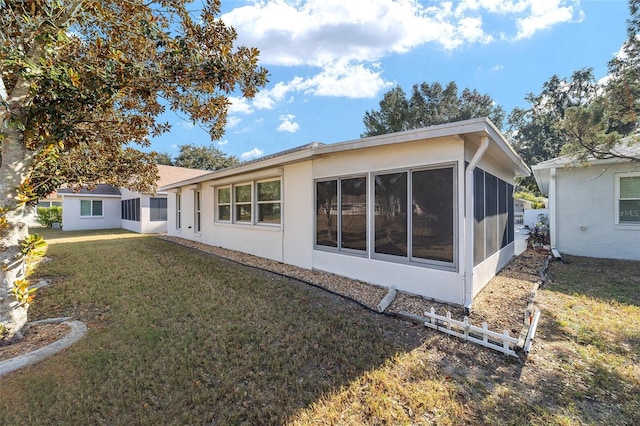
107 207
594 208
427 211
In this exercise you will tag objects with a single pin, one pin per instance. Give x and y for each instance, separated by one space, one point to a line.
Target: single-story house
594 207
426 211
107 207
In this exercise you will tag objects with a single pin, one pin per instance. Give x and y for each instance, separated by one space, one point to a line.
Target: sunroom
427 211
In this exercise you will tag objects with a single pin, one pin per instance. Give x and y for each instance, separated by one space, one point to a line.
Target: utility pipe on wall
552 208
469 219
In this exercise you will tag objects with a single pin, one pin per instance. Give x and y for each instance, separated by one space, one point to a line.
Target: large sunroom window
415 213
341 213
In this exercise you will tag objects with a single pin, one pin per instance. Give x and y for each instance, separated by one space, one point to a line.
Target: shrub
49 215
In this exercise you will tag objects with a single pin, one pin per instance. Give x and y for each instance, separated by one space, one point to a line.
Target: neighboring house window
242 202
628 199
44 204
157 209
56 204
131 209
269 201
224 204
341 214
178 211
198 213
89 208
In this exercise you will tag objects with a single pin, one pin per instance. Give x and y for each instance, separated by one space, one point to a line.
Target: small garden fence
502 342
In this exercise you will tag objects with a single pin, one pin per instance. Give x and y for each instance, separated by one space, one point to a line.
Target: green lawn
180 337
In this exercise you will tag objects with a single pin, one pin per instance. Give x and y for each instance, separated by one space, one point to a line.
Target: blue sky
330 61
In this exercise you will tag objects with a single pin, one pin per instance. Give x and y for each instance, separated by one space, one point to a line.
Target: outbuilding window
90 208
628 203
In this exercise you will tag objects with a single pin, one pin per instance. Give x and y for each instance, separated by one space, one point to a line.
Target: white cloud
338 79
187 125
318 32
287 124
341 41
255 152
223 143
239 105
543 15
233 121
497 67
346 79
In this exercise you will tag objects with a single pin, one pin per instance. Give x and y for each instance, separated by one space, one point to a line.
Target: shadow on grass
604 279
587 369
176 336
58 236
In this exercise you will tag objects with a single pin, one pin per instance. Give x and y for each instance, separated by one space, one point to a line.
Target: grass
179 337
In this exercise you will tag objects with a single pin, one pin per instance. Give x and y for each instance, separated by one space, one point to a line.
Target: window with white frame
90 208
223 199
242 203
178 211
628 203
197 205
268 202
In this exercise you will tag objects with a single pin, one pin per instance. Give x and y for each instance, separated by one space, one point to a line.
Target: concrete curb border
77 330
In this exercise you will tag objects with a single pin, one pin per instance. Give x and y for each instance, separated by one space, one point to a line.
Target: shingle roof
100 189
172 174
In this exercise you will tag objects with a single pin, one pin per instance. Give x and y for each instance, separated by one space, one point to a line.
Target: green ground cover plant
180 337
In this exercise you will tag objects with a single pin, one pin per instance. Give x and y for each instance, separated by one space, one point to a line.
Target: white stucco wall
72 221
298 216
585 214
292 242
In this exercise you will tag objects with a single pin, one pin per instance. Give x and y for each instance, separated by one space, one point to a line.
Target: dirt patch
34 337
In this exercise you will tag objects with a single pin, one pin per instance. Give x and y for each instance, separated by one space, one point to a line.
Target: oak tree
428 105
83 84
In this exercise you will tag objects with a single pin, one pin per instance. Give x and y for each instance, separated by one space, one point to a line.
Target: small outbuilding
108 207
594 206
427 211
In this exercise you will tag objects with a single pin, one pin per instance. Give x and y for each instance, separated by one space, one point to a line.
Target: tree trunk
16 160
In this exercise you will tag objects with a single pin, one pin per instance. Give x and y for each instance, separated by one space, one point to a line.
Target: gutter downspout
552 208
468 223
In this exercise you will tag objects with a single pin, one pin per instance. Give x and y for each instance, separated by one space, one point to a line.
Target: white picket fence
481 335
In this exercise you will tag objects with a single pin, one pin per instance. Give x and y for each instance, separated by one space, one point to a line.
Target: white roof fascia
254 166
481 126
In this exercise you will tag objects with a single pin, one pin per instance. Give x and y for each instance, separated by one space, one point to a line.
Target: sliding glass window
353 213
391 214
327 213
427 233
